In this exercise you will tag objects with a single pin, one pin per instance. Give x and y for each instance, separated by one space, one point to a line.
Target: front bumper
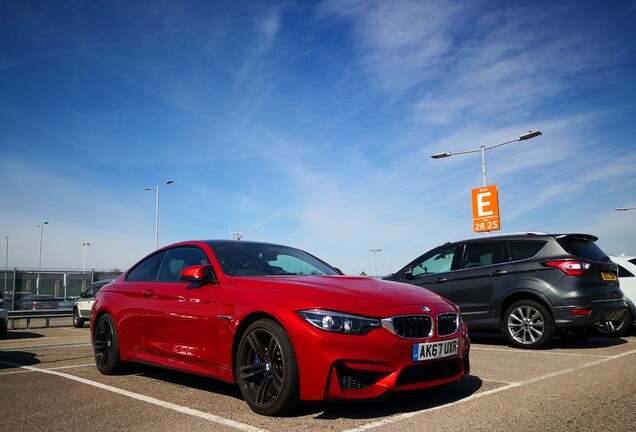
335 366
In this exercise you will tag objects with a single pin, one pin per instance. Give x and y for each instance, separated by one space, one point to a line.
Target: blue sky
310 124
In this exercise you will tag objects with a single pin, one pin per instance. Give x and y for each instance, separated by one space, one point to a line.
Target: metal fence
17 283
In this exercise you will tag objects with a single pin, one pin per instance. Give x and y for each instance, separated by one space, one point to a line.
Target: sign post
486 209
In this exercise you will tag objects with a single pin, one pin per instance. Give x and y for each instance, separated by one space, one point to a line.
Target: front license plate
435 350
608 276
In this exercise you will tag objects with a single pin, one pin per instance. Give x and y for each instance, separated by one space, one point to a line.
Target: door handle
440 280
498 273
149 293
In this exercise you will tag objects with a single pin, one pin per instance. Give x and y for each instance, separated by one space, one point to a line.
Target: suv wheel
528 324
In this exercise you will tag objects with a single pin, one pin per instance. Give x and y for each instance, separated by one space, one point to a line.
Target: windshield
255 259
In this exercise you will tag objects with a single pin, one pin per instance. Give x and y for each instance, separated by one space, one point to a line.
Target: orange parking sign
486 209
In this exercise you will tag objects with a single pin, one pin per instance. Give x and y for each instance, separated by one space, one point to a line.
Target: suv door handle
498 273
440 280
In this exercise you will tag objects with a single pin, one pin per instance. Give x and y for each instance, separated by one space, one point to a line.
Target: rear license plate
608 276
435 350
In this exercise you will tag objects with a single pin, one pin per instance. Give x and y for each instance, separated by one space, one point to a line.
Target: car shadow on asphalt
394 404
15 335
185 379
498 339
13 359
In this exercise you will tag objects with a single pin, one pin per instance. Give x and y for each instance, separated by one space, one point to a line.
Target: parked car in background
627 280
38 302
278 321
82 307
4 317
530 285
64 303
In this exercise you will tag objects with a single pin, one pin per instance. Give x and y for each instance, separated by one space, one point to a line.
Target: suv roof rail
476 237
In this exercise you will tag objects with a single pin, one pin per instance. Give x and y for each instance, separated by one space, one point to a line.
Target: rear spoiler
582 237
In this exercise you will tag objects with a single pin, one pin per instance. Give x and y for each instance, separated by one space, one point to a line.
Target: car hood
343 293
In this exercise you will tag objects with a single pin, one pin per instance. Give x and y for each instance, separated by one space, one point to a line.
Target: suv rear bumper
601 311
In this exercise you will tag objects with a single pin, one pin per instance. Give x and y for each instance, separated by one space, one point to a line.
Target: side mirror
201 274
408 273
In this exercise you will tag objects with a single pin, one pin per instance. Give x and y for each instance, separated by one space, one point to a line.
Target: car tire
577 334
3 331
267 370
620 328
106 346
77 321
528 324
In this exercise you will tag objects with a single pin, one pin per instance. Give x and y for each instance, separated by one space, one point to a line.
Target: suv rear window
521 250
582 248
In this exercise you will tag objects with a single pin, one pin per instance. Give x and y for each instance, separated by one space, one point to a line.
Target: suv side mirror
408 273
201 274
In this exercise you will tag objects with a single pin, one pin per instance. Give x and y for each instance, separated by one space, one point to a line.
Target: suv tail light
570 268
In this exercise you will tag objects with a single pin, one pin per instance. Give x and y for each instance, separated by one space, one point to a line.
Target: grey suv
530 285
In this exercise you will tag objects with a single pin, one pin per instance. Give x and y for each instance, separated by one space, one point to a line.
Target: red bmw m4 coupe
282 324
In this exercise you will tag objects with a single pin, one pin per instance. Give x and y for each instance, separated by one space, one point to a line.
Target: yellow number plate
608 276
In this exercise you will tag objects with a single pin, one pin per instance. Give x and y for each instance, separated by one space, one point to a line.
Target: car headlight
338 322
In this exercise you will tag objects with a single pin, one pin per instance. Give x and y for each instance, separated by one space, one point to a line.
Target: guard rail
28 315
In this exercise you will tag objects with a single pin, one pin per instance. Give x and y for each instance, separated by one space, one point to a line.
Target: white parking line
31 347
184 410
405 416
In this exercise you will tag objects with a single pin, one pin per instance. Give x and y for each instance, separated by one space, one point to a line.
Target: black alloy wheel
266 369
106 346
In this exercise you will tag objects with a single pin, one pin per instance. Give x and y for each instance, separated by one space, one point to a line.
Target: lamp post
37 281
375 253
6 264
483 149
157 210
625 208
84 246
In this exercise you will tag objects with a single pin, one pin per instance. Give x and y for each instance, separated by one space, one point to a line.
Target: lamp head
529 135
441 155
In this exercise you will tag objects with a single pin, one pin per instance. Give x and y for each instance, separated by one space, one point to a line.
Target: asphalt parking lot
48 382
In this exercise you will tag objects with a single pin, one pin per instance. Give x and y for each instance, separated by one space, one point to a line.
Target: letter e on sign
486 209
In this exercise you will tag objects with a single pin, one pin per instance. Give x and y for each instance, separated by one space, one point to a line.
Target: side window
623 272
484 254
438 261
146 270
175 260
521 250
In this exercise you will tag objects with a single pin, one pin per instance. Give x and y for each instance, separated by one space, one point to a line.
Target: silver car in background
82 307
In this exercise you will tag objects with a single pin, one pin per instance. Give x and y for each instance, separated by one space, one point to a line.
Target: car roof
523 236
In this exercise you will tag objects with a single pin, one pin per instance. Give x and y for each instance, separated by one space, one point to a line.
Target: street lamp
483 149
84 246
6 264
375 253
625 208
157 210
37 281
